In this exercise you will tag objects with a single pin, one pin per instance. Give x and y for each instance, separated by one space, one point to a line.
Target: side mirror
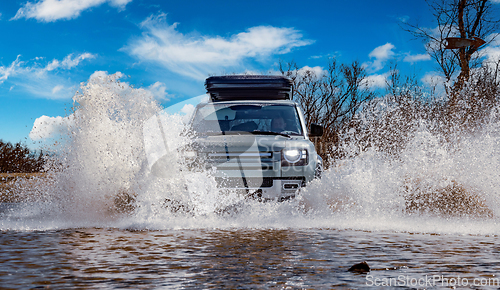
316 130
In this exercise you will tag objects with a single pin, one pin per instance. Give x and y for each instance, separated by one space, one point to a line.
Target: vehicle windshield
213 119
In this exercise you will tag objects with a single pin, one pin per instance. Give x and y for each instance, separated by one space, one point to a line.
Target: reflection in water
239 258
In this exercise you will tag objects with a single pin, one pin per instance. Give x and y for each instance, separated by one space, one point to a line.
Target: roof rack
248 87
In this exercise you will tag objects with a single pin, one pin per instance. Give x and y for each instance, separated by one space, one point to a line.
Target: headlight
295 157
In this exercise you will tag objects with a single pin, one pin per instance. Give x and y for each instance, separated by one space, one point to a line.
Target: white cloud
188 111
159 91
120 4
53 10
433 79
380 54
383 52
412 58
42 80
491 53
99 74
54 64
68 62
5 72
492 57
50 127
57 88
376 81
317 70
196 56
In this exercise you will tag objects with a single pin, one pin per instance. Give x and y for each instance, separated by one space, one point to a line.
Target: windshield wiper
255 132
225 133
258 132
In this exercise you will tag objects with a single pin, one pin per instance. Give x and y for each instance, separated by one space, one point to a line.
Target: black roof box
248 87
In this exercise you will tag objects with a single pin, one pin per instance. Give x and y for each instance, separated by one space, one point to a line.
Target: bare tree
466 19
329 97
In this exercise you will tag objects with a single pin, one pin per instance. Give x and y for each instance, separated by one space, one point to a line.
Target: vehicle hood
243 143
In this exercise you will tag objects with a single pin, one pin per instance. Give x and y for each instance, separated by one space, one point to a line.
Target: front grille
242 155
257 161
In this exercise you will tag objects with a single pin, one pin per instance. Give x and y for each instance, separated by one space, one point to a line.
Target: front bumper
267 188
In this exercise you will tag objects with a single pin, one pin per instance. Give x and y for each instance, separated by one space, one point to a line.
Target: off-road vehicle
254 135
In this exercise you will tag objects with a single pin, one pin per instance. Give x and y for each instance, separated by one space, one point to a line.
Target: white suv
255 136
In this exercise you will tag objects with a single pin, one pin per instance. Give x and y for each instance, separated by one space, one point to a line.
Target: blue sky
49 47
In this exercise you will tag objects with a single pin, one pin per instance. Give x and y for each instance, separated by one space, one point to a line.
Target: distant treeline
18 158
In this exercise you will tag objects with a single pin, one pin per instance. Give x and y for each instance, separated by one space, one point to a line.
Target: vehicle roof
278 81
266 102
247 87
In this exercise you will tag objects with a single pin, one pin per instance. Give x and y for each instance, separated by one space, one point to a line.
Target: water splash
103 178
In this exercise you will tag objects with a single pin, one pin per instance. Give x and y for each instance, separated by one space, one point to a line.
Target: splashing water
103 165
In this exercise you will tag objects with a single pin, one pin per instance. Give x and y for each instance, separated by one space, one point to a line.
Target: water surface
96 258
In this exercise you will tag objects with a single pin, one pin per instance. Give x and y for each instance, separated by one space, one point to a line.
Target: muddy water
106 258
426 217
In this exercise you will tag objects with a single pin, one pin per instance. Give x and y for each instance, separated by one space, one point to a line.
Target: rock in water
360 268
